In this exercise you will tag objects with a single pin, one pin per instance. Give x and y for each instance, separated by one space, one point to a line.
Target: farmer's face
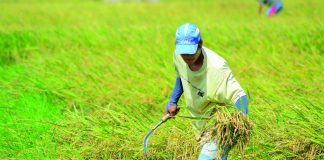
191 58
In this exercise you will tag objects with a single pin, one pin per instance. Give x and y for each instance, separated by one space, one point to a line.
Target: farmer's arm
242 103
171 107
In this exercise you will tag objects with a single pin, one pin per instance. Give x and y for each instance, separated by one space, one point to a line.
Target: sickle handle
165 117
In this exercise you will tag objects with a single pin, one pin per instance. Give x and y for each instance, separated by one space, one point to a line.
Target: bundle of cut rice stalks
228 128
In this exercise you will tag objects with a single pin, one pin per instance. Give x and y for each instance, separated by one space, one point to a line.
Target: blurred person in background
275 6
206 80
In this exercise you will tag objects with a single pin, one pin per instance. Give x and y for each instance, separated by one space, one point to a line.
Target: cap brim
186 49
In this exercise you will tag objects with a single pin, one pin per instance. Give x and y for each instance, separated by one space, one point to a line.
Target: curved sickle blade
165 118
148 136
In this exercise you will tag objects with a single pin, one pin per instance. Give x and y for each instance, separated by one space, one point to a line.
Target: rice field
89 79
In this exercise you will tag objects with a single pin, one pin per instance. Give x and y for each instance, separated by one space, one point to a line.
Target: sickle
164 119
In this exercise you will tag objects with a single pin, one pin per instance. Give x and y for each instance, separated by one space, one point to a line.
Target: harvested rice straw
228 128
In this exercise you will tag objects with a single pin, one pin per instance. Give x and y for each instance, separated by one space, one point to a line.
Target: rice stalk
228 128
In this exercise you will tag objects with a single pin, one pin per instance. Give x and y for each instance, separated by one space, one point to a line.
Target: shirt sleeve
242 104
229 90
176 93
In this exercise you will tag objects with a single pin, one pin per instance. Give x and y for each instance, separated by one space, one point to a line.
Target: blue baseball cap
187 39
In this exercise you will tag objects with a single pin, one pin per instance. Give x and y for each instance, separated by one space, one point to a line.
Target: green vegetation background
88 80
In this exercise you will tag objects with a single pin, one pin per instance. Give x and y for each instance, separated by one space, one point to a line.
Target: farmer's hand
171 109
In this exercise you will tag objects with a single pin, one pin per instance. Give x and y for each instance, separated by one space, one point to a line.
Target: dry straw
228 128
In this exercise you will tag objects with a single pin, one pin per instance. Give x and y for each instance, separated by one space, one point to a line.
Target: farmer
206 80
275 6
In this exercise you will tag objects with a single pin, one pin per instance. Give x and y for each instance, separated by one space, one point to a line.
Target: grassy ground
88 80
